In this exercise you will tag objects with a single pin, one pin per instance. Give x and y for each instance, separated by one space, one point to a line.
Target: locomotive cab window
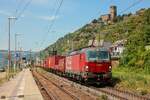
103 55
93 55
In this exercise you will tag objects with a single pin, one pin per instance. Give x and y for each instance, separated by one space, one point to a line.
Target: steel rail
61 88
49 93
112 92
126 94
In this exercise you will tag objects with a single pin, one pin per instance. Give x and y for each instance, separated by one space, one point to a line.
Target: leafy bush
135 54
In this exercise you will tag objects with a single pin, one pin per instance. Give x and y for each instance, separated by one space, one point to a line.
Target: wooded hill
135 28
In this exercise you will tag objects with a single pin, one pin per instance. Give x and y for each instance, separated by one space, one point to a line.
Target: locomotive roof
87 49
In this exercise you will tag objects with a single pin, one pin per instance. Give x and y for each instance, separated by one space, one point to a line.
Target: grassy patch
2 80
132 80
7 76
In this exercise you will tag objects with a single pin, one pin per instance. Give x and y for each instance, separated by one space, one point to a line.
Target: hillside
133 73
133 27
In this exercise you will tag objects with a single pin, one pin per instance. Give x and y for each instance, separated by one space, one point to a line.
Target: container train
90 65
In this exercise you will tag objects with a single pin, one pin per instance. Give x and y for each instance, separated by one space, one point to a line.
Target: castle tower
113 13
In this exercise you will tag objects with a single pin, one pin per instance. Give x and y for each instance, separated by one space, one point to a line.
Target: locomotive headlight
86 67
110 67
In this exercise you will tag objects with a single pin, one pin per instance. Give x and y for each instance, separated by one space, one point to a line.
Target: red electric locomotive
90 64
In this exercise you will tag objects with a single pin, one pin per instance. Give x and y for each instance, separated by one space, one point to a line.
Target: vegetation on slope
135 54
135 28
134 80
134 70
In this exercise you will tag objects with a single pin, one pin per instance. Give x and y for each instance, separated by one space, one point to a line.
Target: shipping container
61 65
53 62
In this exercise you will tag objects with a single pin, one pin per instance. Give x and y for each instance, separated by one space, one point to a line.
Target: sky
38 15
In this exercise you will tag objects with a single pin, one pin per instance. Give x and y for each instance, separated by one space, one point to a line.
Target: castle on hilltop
111 17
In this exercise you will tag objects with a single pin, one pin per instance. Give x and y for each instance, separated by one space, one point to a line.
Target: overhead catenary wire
18 14
99 12
16 17
130 6
53 12
23 10
19 4
53 22
124 10
57 11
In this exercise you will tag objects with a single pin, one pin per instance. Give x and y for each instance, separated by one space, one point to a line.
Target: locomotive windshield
97 55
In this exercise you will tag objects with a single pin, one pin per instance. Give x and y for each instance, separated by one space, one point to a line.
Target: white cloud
5 13
40 17
48 18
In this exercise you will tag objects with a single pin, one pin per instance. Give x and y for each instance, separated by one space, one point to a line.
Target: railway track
123 94
116 94
111 93
52 90
46 93
60 92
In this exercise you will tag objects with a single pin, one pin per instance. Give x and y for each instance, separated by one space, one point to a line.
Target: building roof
123 41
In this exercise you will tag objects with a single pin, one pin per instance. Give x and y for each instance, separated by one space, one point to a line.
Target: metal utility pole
9 52
99 40
21 50
99 36
40 58
15 51
30 57
15 60
72 45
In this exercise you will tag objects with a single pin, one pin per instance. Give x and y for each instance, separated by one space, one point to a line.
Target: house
117 48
